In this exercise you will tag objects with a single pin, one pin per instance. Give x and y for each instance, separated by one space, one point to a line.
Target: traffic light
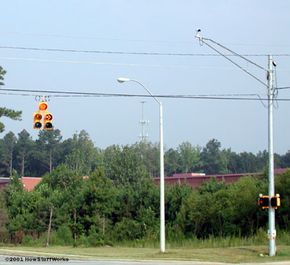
276 201
47 121
37 117
263 201
42 118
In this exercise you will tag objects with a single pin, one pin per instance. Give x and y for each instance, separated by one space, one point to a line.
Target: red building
29 183
196 179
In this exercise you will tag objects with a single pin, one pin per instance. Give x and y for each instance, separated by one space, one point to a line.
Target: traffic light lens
48 117
48 125
43 106
38 116
37 125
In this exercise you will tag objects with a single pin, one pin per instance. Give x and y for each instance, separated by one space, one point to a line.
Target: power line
128 53
55 93
203 40
283 87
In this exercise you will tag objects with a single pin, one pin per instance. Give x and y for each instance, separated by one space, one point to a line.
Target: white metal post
271 189
162 201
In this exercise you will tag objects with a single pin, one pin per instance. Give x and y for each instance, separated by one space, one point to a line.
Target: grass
227 254
214 249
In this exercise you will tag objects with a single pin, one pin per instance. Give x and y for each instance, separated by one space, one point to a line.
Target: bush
128 229
63 236
94 239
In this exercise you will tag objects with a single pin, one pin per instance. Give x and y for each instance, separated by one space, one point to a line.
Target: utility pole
271 188
271 92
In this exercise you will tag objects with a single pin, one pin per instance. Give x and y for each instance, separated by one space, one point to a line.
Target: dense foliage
37 157
68 209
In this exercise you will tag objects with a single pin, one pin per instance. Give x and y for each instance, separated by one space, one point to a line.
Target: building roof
29 183
196 179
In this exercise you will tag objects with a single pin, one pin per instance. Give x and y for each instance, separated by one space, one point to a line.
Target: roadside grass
214 249
225 254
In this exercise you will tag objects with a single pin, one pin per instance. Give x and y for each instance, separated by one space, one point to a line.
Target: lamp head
123 79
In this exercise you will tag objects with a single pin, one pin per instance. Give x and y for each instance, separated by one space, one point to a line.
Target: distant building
29 183
197 179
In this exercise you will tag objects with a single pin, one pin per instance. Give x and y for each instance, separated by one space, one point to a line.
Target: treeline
68 209
30 157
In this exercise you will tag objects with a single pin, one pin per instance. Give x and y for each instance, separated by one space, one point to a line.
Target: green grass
227 254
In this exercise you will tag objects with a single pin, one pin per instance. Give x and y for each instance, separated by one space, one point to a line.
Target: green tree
282 187
3 218
48 142
82 156
9 113
4 112
212 158
149 155
8 145
99 202
61 188
23 148
172 162
189 157
123 165
2 73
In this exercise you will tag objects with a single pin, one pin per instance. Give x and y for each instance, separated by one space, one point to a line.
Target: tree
9 142
12 114
149 155
172 162
99 202
2 73
62 189
3 217
190 157
282 187
23 148
4 112
212 158
49 141
123 165
82 156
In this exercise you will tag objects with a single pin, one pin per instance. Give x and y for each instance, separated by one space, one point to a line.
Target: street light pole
271 92
162 200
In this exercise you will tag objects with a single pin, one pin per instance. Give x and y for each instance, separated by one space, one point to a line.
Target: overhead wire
57 93
126 52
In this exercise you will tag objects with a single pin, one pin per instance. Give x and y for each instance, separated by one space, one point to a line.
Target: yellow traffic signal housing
37 120
47 121
263 201
276 201
42 118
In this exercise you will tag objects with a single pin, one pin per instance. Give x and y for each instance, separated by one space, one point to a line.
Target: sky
158 48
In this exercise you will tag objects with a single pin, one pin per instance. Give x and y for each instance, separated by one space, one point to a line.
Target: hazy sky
148 26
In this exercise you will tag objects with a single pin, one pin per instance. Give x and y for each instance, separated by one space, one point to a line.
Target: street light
162 203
